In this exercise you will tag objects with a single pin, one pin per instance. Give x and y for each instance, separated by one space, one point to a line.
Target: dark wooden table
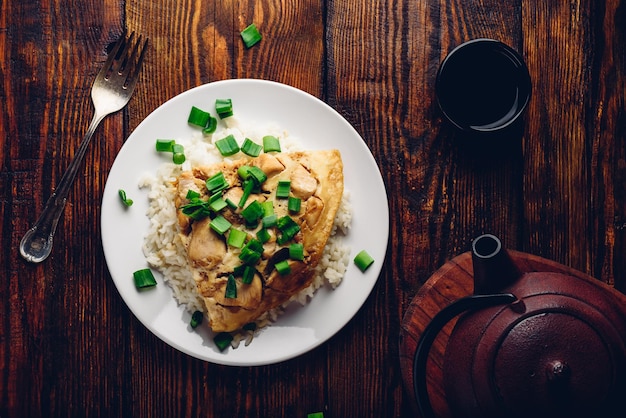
69 346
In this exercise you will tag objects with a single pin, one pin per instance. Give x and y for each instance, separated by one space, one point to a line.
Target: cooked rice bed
165 251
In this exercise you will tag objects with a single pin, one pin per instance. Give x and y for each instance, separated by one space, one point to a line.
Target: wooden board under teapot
454 280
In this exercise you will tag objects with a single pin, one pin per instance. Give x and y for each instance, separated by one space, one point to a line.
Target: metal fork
111 91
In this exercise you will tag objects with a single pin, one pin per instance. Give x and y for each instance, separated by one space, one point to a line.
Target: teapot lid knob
558 371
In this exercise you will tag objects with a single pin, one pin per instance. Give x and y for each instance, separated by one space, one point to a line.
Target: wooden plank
556 156
51 311
368 77
574 148
608 151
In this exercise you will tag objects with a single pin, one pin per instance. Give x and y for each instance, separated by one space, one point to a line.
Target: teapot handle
474 302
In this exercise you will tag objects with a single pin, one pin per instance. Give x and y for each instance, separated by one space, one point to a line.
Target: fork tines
126 55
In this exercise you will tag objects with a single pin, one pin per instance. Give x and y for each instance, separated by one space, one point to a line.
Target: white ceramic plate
317 126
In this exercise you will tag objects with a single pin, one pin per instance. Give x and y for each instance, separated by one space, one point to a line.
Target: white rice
163 246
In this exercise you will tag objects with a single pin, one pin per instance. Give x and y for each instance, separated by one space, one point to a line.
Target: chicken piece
314 209
234 194
303 183
317 178
205 248
248 295
291 283
269 164
186 181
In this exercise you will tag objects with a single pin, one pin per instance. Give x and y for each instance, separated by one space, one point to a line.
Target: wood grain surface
554 186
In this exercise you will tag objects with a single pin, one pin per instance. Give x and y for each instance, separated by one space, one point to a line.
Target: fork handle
36 244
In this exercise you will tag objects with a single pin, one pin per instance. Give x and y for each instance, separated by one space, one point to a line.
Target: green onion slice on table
251 36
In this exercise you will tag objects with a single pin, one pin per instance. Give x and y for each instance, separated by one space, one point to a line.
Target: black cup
483 85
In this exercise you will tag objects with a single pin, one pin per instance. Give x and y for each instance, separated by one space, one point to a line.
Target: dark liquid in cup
482 86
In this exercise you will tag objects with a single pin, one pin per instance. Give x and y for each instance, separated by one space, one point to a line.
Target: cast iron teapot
528 344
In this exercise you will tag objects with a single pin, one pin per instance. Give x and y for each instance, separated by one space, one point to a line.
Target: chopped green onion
251 252
192 194
271 143
222 340
236 238
169 145
248 275
244 172
257 174
231 204
231 288
263 235
144 278
268 207
269 221
196 213
251 36
216 203
255 245
196 209
283 267
178 158
178 154
220 225
251 148
198 117
249 255
252 213
196 319
283 189
294 204
125 200
211 126
252 178
227 146
288 228
296 251
164 145
224 108
250 326
248 186
216 183
363 260
238 270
